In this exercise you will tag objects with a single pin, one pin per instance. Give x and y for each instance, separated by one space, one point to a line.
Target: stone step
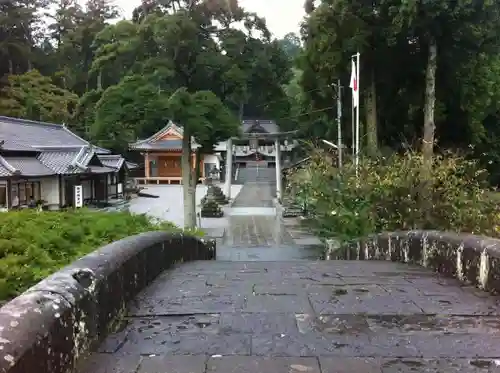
292 214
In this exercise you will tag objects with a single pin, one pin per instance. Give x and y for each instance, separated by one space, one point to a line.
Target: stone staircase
256 174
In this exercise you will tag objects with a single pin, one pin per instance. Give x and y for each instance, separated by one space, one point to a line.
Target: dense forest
429 69
113 81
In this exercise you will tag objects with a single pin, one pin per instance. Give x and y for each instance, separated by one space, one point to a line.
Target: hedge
35 244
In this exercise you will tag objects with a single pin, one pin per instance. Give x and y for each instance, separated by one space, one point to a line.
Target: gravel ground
170 204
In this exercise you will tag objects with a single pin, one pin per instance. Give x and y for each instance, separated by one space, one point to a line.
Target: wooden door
169 166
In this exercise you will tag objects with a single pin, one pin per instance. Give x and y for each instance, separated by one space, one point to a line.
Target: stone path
255 194
256 230
256 174
303 316
261 308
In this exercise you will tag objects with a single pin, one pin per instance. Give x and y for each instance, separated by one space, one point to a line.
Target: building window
24 193
3 196
112 178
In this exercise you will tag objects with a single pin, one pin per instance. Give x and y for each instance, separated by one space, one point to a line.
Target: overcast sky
282 16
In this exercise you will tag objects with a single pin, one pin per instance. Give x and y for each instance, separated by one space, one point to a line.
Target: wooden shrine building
162 154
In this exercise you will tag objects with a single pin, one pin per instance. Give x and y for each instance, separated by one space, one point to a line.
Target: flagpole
353 131
357 115
339 122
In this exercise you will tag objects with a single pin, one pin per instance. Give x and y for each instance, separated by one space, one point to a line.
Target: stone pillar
229 167
278 169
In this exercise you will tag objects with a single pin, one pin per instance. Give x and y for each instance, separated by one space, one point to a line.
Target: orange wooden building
162 156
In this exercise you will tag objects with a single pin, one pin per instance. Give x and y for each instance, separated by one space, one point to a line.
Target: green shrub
387 196
35 244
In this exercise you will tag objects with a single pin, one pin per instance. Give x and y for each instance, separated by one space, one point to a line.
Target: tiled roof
4 172
55 149
151 142
269 126
131 165
99 150
28 166
55 161
100 169
163 144
111 160
5 168
67 160
61 161
21 134
84 156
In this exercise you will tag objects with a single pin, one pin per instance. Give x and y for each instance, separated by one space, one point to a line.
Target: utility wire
310 112
274 101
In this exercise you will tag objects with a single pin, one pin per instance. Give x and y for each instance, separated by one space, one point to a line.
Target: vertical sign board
78 196
120 188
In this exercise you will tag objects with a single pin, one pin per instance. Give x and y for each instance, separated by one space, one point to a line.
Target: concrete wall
49 187
62 318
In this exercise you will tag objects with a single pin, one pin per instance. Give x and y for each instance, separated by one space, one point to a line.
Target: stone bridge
414 301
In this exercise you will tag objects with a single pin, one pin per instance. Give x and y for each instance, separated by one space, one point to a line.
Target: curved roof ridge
109 156
60 127
76 160
8 166
58 147
156 134
31 122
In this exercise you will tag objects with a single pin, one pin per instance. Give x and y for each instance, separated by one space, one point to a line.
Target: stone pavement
255 194
256 173
262 308
303 316
256 230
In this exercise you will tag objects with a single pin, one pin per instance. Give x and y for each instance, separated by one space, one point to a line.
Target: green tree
393 38
433 26
19 30
205 118
76 29
35 97
171 64
336 30
66 17
291 45
131 109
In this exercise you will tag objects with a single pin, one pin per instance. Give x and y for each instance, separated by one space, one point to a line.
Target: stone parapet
475 260
53 324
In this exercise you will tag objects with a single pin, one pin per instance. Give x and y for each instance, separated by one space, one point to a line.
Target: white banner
78 196
354 84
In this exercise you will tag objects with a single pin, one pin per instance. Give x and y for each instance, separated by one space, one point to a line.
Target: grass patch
35 244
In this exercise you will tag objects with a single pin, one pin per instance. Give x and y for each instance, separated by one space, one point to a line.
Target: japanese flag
354 85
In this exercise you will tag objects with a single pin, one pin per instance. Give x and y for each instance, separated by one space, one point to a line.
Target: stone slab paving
256 174
311 252
257 232
255 194
304 316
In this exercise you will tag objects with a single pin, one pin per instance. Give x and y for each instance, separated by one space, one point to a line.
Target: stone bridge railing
472 259
54 323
